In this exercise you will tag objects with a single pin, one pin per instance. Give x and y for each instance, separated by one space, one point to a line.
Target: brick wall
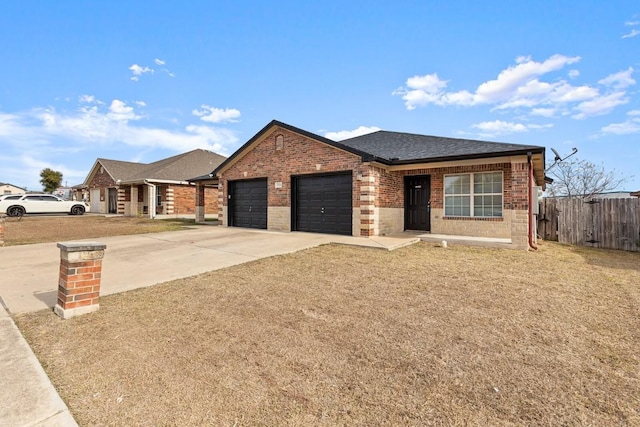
184 199
211 200
280 154
101 179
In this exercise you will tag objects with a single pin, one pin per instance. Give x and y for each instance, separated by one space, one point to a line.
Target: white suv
41 203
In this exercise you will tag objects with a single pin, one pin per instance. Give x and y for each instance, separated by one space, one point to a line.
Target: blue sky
126 80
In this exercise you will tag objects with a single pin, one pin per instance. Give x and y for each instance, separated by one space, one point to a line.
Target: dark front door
248 203
417 208
113 201
323 203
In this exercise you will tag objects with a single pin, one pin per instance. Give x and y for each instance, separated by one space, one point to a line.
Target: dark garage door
322 203
248 203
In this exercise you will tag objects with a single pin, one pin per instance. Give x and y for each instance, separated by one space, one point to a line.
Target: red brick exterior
280 154
79 283
184 199
294 154
515 190
101 180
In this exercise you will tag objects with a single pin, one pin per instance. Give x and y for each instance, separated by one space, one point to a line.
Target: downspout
530 187
152 199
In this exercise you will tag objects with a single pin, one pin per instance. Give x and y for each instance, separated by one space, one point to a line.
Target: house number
418 186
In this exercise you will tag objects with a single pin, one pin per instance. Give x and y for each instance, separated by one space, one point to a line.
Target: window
473 195
159 196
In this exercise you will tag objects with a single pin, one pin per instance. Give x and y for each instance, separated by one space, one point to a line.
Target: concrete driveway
29 273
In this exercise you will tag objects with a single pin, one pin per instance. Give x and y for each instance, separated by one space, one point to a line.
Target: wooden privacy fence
599 223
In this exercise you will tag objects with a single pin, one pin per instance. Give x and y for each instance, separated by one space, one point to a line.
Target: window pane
457 184
487 206
457 206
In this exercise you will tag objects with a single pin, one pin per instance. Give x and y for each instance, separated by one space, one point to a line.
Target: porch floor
492 242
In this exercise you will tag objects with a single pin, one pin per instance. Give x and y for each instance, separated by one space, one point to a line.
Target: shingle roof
399 147
120 170
181 167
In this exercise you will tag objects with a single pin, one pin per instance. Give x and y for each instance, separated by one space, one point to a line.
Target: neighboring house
65 193
636 194
285 178
6 188
158 188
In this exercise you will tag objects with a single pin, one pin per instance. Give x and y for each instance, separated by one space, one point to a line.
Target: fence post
80 277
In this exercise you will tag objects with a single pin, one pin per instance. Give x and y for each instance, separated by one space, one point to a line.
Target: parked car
41 203
10 197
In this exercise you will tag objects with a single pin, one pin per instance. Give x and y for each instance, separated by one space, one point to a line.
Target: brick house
383 183
151 189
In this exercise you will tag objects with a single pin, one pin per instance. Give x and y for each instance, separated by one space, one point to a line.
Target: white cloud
499 127
526 87
515 86
217 115
619 80
512 78
119 111
141 103
632 125
138 71
600 105
346 134
633 33
632 23
88 99
117 124
543 112
624 128
159 61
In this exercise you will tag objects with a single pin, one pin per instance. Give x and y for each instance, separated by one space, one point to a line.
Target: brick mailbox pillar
80 276
2 230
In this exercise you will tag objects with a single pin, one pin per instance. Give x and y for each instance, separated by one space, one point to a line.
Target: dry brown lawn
342 335
40 229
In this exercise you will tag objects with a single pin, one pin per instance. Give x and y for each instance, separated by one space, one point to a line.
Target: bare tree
582 178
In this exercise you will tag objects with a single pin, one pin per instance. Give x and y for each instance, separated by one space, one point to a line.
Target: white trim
471 194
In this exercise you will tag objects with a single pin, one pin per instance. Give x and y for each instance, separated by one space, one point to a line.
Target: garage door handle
321 210
249 208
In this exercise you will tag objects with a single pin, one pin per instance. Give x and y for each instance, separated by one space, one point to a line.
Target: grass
41 229
340 335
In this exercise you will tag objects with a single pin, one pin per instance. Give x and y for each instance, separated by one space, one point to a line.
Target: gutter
530 187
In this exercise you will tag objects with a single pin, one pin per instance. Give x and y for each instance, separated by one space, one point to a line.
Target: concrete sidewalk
29 281
27 397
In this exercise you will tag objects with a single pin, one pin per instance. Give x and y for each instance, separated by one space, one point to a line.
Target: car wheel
15 211
77 210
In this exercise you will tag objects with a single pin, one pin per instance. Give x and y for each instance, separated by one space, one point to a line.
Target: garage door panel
323 204
248 203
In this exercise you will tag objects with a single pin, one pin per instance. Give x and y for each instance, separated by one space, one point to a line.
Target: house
6 188
383 183
150 189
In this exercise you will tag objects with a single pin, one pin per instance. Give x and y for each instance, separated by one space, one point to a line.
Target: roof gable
118 170
274 123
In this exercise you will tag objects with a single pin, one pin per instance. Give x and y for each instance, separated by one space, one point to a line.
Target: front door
417 200
113 201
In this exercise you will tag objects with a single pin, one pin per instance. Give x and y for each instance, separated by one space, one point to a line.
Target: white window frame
472 194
